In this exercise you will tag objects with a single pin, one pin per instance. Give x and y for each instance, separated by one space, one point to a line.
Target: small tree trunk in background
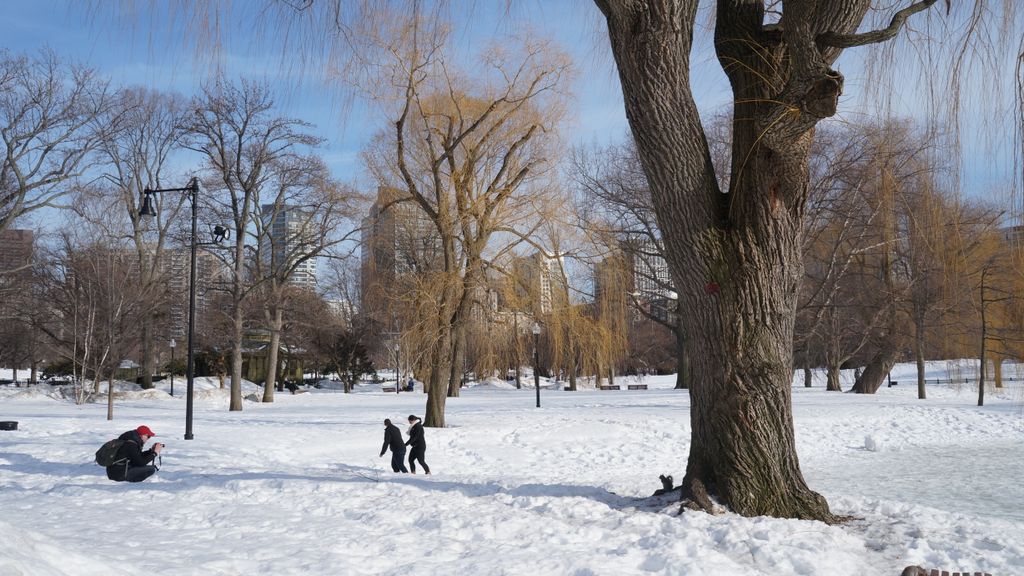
808 376
236 363
997 368
146 344
611 375
572 372
110 397
33 376
519 376
875 372
458 358
919 356
832 380
275 343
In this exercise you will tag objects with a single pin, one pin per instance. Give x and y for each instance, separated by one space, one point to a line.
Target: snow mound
493 383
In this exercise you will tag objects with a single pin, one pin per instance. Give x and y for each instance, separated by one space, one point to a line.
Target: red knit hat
145 431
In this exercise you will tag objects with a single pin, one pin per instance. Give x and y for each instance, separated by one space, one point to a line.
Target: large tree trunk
277 320
875 372
735 257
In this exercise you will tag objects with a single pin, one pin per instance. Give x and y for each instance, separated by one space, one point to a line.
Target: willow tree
735 253
471 151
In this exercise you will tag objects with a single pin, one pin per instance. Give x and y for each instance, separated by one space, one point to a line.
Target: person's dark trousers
398 461
139 473
417 454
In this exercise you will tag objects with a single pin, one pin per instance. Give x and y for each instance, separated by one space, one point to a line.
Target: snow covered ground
296 486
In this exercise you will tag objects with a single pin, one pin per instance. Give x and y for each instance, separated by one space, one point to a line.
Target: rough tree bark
682 361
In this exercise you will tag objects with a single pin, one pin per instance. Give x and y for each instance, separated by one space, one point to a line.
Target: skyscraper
289 238
15 251
398 239
637 273
542 279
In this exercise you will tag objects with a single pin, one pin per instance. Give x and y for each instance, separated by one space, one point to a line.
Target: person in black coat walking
132 464
417 443
393 440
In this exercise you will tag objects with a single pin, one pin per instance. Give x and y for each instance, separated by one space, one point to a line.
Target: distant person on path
132 464
418 444
410 386
393 440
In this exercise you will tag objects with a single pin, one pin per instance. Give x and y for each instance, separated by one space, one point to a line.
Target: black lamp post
173 344
536 361
219 234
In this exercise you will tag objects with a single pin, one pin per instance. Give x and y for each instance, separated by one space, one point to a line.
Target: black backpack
107 454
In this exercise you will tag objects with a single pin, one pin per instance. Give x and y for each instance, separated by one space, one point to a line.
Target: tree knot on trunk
822 99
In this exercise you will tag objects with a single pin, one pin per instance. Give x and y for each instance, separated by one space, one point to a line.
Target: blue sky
145 50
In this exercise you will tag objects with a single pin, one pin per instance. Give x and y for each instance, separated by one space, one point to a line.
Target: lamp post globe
172 344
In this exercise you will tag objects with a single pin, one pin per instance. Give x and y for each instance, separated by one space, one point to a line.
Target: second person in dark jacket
417 444
393 440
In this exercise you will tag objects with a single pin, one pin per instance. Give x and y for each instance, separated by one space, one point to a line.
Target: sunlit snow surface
296 486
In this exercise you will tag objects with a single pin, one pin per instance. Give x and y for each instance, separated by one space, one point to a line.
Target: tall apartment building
397 239
15 260
542 280
636 273
15 252
288 233
1014 236
174 266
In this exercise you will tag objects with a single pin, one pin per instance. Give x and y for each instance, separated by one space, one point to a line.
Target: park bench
613 387
956 380
388 389
918 571
636 386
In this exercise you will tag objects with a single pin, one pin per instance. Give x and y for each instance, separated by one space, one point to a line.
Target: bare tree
48 126
239 137
142 134
96 307
301 208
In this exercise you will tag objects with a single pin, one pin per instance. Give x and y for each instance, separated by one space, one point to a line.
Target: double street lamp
148 209
536 361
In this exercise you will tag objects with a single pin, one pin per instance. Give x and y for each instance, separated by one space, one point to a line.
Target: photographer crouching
132 464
